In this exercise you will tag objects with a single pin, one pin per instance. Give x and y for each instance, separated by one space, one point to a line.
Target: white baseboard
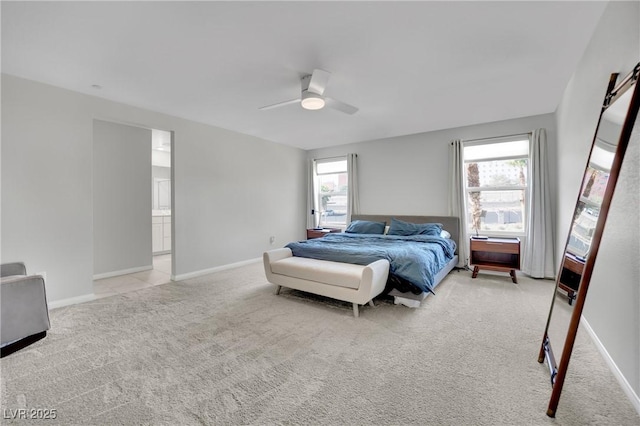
202 272
122 272
89 297
626 387
71 301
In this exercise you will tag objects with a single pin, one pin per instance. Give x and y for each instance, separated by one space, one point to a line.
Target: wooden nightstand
317 233
571 275
496 254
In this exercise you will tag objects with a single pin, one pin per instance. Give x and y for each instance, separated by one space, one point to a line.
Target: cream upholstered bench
357 284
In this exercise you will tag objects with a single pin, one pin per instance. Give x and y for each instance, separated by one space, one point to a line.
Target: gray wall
613 303
121 198
232 191
46 185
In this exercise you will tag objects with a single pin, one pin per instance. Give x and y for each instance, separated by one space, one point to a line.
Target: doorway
161 232
128 162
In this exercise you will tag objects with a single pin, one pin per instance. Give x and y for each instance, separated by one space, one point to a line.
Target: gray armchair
24 314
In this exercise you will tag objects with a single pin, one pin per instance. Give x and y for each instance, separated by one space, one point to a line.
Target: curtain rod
332 158
497 137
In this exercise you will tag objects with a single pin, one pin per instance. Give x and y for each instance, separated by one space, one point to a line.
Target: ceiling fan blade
279 104
319 80
340 106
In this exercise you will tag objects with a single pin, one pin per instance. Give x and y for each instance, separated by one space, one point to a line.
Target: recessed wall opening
161 188
132 208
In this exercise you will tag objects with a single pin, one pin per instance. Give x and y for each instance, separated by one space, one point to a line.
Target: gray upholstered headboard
450 223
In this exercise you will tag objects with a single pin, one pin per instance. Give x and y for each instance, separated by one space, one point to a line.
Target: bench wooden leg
355 310
278 287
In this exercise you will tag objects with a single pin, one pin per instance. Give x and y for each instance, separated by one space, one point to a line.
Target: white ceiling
410 67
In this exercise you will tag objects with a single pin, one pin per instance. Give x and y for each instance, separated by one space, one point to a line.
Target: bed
418 262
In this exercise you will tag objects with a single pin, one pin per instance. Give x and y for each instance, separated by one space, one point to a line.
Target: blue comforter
416 258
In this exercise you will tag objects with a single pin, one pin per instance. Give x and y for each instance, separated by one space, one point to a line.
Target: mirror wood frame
558 373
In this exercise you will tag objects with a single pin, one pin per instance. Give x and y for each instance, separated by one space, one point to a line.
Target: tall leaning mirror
617 118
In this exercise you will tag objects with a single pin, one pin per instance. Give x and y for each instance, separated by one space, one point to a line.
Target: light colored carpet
223 349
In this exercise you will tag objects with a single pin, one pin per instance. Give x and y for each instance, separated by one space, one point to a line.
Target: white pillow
386 229
445 234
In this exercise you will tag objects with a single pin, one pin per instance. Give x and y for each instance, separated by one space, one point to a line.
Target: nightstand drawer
573 265
495 246
319 233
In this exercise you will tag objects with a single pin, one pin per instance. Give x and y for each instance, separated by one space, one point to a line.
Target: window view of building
582 230
591 196
496 179
330 188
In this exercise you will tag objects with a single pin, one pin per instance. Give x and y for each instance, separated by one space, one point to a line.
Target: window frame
525 188
317 193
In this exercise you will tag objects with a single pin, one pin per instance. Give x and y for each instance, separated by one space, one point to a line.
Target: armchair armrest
14 268
23 307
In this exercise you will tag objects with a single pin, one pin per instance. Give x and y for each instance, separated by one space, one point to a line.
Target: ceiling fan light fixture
311 101
312 95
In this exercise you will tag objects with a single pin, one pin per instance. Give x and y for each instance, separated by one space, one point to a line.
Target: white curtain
457 196
312 208
353 206
539 249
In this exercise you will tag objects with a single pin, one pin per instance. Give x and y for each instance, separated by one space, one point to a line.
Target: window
330 191
496 179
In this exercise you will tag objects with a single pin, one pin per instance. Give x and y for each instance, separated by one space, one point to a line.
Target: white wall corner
195 274
122 272
71 301
626 387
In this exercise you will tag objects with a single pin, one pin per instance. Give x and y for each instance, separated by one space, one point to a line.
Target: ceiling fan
312 98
